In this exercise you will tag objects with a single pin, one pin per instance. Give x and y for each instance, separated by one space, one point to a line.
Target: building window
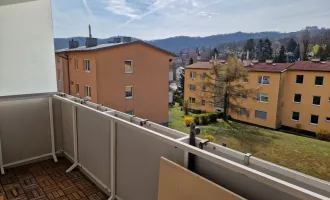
192 75
192 100
319 80
203 102
76 63
131 112
77 88
244 96
295 116
300 79
88 91
243 111
297 98
129 92
264 80
204 76
211 103
87 66
262 98
192 87
128 66
203 88
316 100
261 114
314 119
245 80
327 119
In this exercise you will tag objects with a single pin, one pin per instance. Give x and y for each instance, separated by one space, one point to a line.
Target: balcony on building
56 146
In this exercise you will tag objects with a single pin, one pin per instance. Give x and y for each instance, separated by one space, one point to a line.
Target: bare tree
226 86
304 44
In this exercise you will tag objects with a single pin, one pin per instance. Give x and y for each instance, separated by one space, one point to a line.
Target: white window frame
327 120
294 95
204 102
302 81
191 100
193 75
87 67
259 98
190 86
88 89
295 119
322 81
131 66
262 80
313 101
77 84
310 120
76 64
130 97
204 75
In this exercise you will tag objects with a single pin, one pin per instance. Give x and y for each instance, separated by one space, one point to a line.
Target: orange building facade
286 94
130 77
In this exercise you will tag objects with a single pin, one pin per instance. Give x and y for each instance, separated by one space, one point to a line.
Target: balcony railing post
75 139
1 161
113 159
51 120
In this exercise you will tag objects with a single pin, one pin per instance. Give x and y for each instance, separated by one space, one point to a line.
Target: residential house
132 77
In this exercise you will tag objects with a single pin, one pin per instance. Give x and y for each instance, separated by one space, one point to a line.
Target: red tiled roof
311 66
200 65
265 67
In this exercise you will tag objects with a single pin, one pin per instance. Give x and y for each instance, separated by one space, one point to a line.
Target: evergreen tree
191 61
259 50
297 52
292 45
215 52
327 52
181 84
282 58
267 50
249 45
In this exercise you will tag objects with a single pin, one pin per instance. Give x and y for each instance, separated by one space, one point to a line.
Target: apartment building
195 92
131 77
265 106
307 96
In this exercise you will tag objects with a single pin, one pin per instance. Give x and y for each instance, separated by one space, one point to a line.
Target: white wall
27 61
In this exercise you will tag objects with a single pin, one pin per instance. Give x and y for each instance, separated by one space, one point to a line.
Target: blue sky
156 19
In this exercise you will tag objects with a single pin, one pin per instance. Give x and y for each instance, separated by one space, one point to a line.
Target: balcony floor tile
48 180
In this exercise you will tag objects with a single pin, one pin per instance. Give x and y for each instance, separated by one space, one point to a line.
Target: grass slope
305 155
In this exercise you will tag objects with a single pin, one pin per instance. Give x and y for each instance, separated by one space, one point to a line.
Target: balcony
122 155
170 75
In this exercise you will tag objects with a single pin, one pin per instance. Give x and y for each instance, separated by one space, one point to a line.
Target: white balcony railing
170 74
120 151
170 97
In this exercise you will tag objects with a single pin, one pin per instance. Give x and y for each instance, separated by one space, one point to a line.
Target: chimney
315 59
248 55
90 30
255 61
90 41
73 44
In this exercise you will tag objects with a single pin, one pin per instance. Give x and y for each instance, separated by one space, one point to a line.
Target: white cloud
121 7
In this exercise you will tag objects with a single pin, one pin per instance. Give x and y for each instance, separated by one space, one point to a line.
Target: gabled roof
112 45
200 65
269 67
310 66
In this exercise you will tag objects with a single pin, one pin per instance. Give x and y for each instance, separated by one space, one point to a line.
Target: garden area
306 155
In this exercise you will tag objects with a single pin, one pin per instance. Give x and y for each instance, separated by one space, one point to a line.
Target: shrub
323 135
197 120
213 117
209 137
188 120
203 111
298 127
204 119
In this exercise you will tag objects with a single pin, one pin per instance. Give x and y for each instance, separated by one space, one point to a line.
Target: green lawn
309 156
